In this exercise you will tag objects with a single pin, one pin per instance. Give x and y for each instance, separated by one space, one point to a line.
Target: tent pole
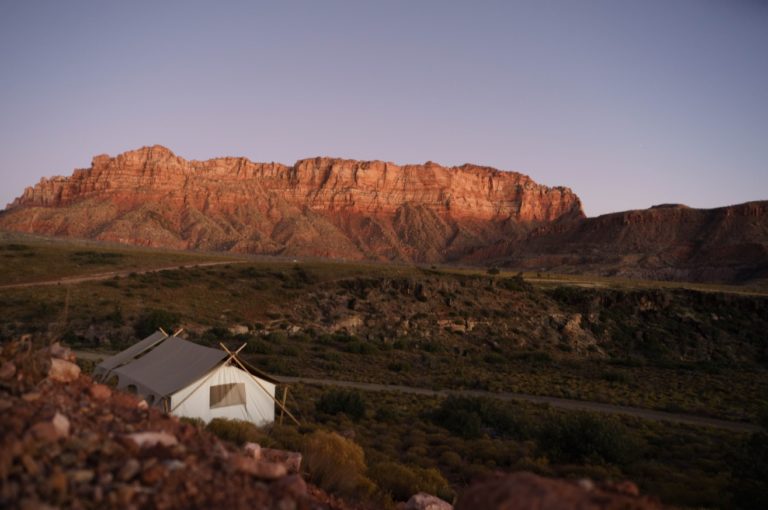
256 380
285 397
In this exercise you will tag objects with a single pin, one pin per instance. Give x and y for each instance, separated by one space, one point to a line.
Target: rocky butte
349 209
317 207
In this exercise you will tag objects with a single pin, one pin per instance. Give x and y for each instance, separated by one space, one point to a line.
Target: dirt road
560 403
106 276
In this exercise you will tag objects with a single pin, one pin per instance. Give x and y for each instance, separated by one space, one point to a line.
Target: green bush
349 402
359 347
236 431
403 481
277 337
195 422
337 464
95 258
515 283
584 437
257 346
470 417
151 320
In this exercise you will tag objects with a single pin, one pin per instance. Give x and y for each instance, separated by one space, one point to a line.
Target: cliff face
376 210
322 206
668 242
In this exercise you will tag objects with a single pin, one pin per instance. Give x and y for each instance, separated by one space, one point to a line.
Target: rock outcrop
317 207
337 208
668 242
527 491
66 443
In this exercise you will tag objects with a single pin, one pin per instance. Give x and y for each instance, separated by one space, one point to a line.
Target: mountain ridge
377 210
319 206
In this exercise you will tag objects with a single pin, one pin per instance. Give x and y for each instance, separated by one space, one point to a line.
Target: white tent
192 380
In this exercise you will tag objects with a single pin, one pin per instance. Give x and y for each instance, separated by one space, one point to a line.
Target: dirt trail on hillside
560 403
106 276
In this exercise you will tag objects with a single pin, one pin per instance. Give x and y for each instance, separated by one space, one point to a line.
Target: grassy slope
682 465
26 259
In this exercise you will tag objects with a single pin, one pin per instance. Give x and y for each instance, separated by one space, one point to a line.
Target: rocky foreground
69 443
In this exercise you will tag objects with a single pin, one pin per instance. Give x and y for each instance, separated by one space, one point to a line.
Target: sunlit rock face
317 207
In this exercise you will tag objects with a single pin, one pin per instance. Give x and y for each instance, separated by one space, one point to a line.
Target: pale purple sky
630 103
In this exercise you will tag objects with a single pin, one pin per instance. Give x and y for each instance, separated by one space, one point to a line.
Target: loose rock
100 391
63 371
150 439
424 501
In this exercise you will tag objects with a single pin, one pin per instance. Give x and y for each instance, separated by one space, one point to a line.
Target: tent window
223 395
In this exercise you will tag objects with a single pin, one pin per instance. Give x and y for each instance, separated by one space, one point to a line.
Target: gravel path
106 276
560 403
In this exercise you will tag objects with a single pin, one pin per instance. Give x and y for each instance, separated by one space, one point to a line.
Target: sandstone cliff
667 242
377 210
317 207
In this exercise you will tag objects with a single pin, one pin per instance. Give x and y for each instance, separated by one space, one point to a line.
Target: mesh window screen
223 395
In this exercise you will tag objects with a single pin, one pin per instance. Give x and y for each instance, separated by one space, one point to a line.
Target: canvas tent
187 379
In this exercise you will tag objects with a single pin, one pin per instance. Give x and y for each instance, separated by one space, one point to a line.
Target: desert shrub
95 258
195 422
535 357
398 366
337 464
289 351
515 283
15 247
277 337
385 414
568 295
359 347
116 315
299 278
451 459
151 320
216 334
403 481
493 270
470 417
464 423
252 272
584 437
349 402
257 346
494 358
236 431
614 376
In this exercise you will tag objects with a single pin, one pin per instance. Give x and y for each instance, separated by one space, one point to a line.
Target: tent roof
131 352
172 365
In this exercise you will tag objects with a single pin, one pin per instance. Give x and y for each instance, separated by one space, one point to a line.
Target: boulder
63 371
100 392
253 450
59 351
291 460
424 501
238 329
523 491
150 439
